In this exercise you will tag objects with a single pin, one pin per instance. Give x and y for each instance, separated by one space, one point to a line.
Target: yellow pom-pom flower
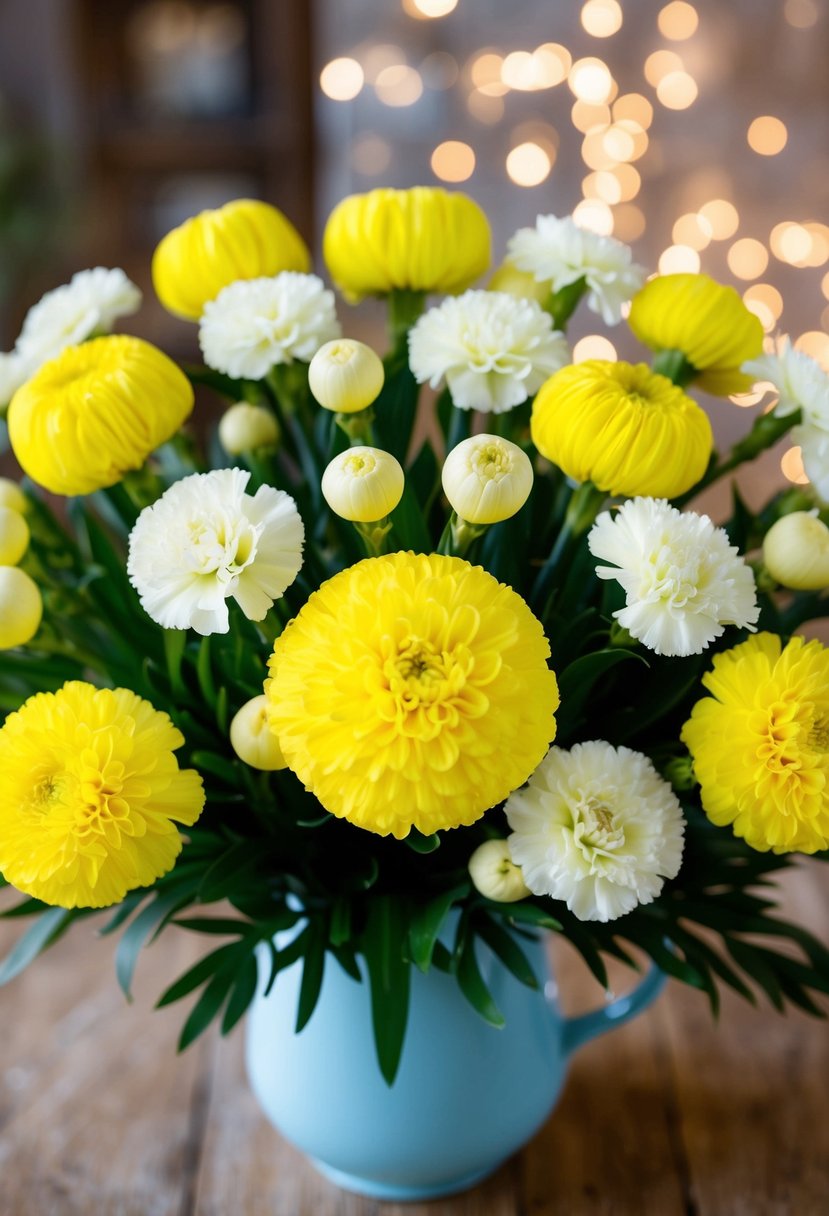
412 690
95 412
423 239
89 792
760 743
625 428
21 607
708 323
245 239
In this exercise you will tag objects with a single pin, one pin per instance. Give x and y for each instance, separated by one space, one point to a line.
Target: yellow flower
760 743
423 239
89 787
412 691
707 322
95 412
625 428
21 607
245 239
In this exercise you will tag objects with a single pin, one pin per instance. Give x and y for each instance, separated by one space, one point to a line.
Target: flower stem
674 365
765 433
404 309
358 427
584 506
459 535
374 536
563 303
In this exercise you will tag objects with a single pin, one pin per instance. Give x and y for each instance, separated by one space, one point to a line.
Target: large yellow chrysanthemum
760 743
706 321
245 239
628 430
423 239
95 412
89 787
412 691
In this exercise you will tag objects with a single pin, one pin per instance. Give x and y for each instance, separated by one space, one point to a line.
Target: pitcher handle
581 1029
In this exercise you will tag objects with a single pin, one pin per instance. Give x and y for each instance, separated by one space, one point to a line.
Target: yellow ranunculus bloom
760 743
412 690
707 322
423 239
245 239
89 790
95 412
625 428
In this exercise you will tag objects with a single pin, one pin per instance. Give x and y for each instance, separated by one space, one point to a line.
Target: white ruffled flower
683 580
800 380
813 442
557 251
14 371
90 303
597 827
493 350
206 541
254 324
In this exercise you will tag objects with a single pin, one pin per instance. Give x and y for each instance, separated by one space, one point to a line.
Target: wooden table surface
671 1115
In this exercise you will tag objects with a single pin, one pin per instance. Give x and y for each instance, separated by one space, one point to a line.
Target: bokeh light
679 259
816 344
398 85
792 468
747 258
802 14
635 107
791 243
594 346
693 230
677 90
628 222
425 9
722 216
371 155
342 79
587 117
765 302
661 64
767 135
594 216
453 161
590 80
528 164
601 18
486 74
678 21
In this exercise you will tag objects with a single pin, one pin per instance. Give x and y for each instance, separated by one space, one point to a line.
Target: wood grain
671 1115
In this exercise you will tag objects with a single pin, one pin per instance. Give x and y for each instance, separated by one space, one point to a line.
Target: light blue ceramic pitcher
466 1097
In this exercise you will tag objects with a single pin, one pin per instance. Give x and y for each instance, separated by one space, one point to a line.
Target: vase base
394 1192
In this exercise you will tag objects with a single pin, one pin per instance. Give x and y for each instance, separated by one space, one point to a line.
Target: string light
398 85
692 230
426 9
767 135
678 21
590 80
528 164
791 465
453 161
342 79
747 258
601 18
722 217
677 90
679 259
628 222
594 346
594 216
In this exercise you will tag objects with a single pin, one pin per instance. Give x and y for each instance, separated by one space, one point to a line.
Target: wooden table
669 1116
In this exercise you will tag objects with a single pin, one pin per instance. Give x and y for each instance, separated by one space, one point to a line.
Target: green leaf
426 922
27 907
122 912
409 531
339 931
216 925
313 971
46 929
383 941
223 875
286 957
217 766
529 914
424 477
396 406
206 1007
207 967
348 961
752 962
138 932
419 843
506 948
244 990
577 680
204 671
175 641
471 981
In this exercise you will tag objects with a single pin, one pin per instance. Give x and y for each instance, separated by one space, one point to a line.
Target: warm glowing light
816 344
819 253
747 258
398 85
590 80
661 64
486 74
619 143
802 14
824 285
677 90
678 21
439 70
485 108
587 117
528 165
765 302
639 137
601 18
679 259
692 230
603 185
635 107
593 151
554 62
723 218
628 222
371 155
341 79
425 9
453 161
746 400
381 55
629 182
594 216
528 72
594 346
792 468
767 135
791 243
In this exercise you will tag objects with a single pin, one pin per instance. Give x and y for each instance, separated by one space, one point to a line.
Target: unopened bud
363 484
494 873
345 375
252 738
244 428
14 536
796 552
487 479
21 607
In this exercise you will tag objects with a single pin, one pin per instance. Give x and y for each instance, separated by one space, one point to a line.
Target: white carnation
557 251
14 371
254 324
89 304
493 350
206 541
598 828
683 580
800 380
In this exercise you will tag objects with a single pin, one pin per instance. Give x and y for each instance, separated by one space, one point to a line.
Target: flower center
491 462
596 829
357 465
421 675
819 735
220 546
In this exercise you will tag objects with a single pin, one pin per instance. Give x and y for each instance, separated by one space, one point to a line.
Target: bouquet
363 669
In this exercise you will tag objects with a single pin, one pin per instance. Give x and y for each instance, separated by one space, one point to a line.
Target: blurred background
698 132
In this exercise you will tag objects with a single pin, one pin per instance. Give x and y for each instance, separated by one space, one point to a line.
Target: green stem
675 366
404 309
584 506
374 535
767 430
459 536
358 427
563 303
122 504
460 427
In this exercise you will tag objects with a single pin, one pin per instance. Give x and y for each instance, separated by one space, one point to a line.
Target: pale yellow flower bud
363 484
244 428
11 495
494 873
345 375
20 607
487 479
14 536
253 740
796 552
519 283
